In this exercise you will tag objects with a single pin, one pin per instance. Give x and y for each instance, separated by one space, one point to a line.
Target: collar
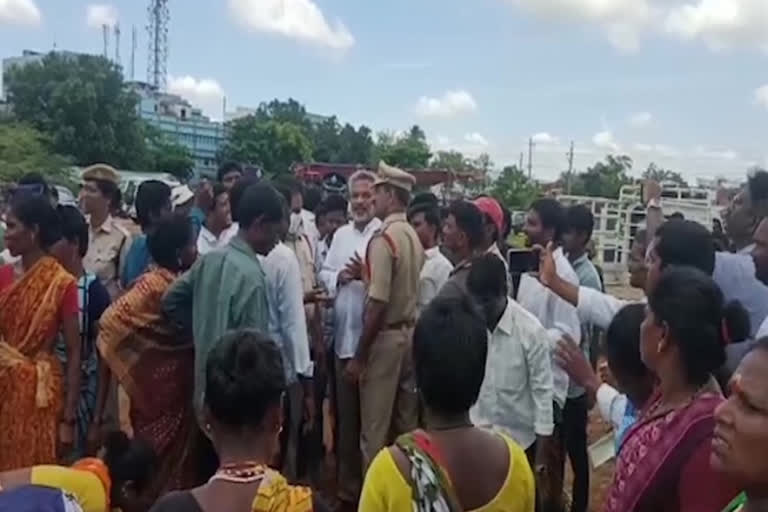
580 260
506 322
432 252
746 250
373 224
241 245
395 217
105 227
462 265
207 234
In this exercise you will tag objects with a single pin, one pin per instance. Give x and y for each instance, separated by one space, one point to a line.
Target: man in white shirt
288 327
516 395
545 224
679 242
218 228
425 219
348 291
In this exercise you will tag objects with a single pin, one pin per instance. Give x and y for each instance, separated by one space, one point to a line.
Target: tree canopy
513 188
81 103
603 179
24 149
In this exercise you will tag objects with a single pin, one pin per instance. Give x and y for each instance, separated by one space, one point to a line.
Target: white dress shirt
558 316
516 395
287 322
434 274
207 241
349 300
734 274
612 405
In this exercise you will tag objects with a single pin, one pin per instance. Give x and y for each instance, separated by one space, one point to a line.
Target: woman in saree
151 361
243 417
663 464
111 481
37 422
740 442
451 465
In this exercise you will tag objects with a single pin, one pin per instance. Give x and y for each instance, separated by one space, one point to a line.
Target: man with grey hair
341 276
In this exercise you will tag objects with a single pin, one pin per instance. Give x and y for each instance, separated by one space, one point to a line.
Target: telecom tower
157 62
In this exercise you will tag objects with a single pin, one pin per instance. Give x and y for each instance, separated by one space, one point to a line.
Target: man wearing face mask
340 275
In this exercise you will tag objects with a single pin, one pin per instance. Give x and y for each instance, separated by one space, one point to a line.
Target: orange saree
155 367
31 393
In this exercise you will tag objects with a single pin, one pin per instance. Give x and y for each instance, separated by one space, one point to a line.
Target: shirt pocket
512 376
105 260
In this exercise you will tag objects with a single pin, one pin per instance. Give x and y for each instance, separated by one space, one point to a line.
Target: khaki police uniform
108 243
394 259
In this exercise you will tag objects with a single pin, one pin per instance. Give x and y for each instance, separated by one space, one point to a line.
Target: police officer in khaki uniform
108 240
383 363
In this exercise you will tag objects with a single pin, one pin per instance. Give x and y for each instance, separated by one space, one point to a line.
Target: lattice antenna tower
159 17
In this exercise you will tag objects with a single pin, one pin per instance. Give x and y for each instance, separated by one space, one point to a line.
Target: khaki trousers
388 404
350 464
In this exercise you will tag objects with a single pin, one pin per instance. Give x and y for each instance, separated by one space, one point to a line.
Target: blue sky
677 82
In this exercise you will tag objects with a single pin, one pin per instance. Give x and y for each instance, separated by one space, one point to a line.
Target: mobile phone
522 261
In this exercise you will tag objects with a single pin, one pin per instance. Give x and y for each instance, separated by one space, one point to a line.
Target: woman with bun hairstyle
243 417
111 482
664 460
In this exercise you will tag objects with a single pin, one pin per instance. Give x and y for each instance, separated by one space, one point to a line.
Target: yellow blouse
386 489
84 486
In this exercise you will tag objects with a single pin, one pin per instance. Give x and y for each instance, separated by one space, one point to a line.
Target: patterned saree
30 375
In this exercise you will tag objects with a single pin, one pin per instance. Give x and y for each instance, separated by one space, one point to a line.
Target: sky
682 83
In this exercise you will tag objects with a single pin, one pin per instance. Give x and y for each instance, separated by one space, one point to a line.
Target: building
182 123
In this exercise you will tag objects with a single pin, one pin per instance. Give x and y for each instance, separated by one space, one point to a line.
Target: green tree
83 106
451 160
514 189
410 151
355 145
166 155
659 174
24 149
327 141
604 179
273 145
290 111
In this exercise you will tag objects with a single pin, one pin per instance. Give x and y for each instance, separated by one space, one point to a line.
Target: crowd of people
266 346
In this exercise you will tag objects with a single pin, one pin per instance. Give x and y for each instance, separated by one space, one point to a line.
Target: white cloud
98 15
476 139
19 12
450 104
205 94
640 119
620 20
297 19
544 138
721 23
658 149
761 96
606 140
716 154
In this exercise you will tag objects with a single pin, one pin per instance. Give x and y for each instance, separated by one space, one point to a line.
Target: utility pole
133 53
105 31
570 168
117 45
530 158
520 165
